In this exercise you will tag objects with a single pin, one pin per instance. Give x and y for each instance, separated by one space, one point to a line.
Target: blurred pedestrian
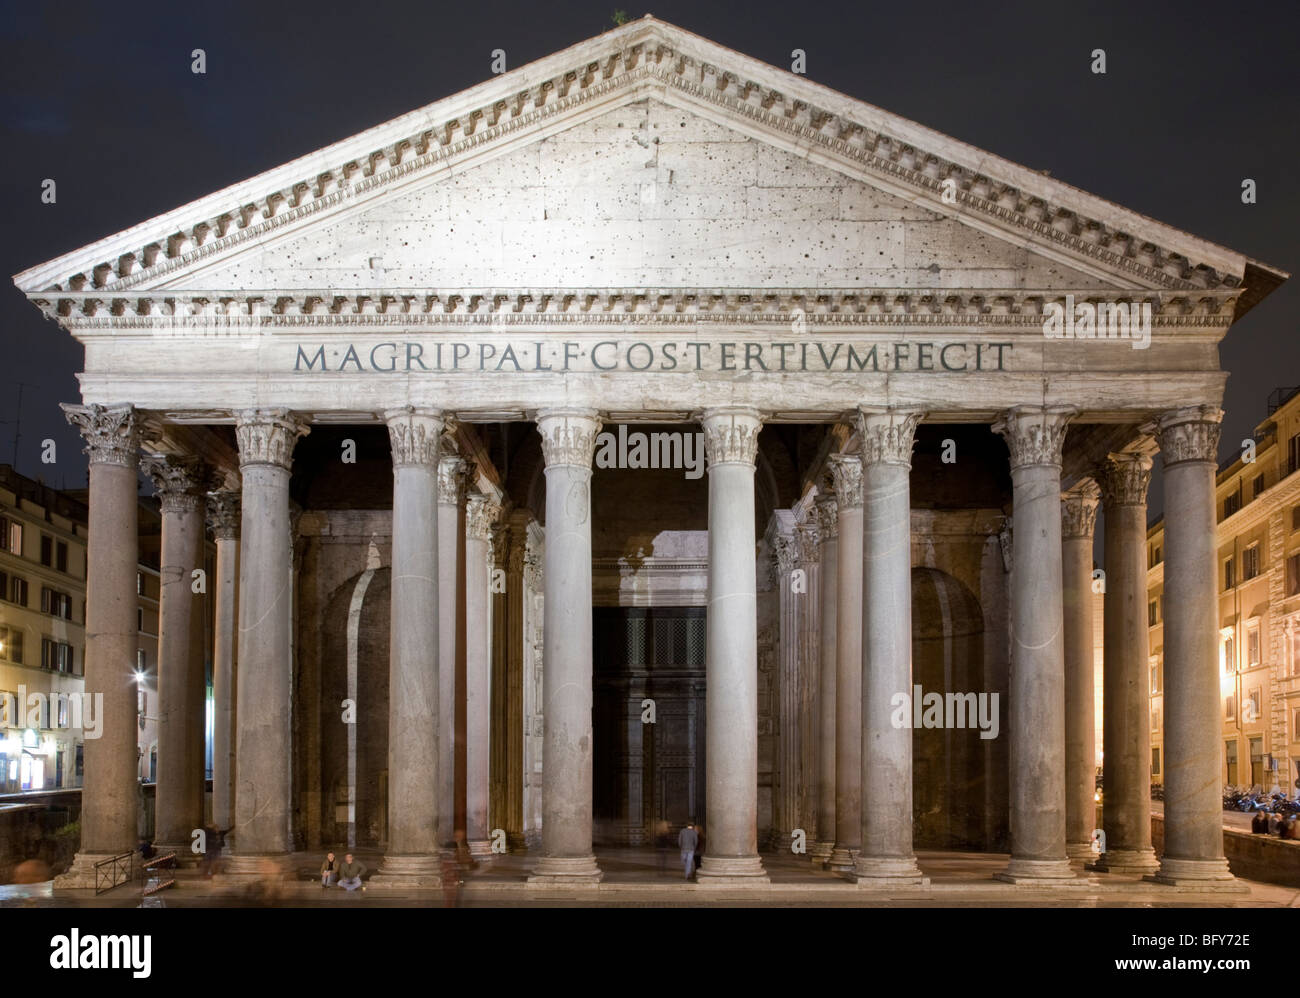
687 840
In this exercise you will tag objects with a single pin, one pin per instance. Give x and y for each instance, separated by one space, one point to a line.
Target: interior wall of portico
344 617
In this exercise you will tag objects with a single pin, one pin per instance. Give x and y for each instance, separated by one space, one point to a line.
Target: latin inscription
686 356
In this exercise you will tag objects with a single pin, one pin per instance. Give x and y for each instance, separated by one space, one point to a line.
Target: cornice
407 308
647 55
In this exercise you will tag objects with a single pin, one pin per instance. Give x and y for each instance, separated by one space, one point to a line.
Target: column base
1197 874
1080 852
731 871
820 853
480 848
569 871
1139 861
842 859
81 874
422 872
887 871
1042 873
269 866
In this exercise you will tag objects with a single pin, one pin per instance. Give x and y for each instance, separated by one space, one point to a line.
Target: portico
471 303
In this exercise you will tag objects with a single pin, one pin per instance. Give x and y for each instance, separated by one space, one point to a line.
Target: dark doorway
648 777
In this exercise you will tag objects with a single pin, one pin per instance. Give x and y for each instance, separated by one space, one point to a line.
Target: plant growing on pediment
619 17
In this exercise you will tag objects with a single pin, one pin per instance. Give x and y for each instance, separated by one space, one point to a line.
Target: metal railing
114 872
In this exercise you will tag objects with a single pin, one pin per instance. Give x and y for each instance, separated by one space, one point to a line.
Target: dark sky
100 97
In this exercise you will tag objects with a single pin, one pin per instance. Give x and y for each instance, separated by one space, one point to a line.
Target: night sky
100 97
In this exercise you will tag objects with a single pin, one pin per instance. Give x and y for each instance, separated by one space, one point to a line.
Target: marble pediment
647 157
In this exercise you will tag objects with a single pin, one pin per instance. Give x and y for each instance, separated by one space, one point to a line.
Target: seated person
329 871
350 873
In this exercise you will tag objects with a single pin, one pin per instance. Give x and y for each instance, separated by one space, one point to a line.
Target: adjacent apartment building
1258 537
44 719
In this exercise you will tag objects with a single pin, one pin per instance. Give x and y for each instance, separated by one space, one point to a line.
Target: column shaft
478 674
847 471
111 791
1193 853
1034 437
263 740
825 511
1078 516
1126 692
412 858
568 443
886 857
731 697
181 682
451 567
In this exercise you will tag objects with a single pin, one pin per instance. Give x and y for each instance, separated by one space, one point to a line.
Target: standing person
350 873
329 871
687 840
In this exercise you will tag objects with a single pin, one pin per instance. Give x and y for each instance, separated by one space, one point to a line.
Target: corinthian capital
181 482
828 516
568 436
887 435
224 514
268 436
846 473
111 432
1079 510
731 435
1034 434
1124 479
810 539
1190 434
480 514
453 474
785 553
414 435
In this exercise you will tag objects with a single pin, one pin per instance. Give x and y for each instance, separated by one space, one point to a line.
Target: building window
139 661
1152 619
1231 756
1252 706
63 712
57 603
139 618
1155 761
11 645
1295 726
1257 762
1256 487
1155 675
1157 554
1229 654
1229 707
18 591
1155 720
1229 574
47 550
1232 503
61 556
139 579
1293 454
1295 517
11 535
1250 562
1252 644
1293 575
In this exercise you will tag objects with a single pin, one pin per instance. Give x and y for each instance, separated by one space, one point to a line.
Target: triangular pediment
645 195
769 180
